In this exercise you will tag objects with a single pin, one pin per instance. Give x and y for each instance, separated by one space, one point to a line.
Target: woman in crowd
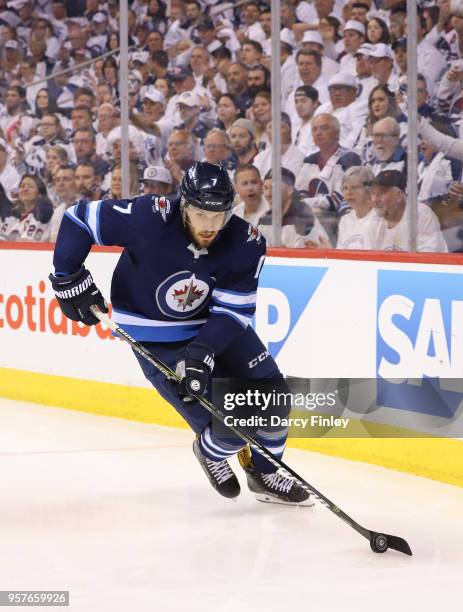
56 156
227 112
43 103
381 103
377 32
261 110
330 30
116 181
30 217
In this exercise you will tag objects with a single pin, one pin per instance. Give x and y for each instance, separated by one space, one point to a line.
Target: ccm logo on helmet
257 360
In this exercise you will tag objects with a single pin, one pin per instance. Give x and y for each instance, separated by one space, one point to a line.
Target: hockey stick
379 542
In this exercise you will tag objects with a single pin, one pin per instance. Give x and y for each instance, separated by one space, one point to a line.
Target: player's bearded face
204 225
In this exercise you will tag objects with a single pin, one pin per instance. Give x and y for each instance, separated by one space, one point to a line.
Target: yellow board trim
438 459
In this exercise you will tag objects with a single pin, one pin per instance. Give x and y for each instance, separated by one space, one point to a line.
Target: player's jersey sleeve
234 297
102 222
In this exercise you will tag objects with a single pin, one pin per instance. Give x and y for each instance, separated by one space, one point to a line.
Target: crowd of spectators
200 89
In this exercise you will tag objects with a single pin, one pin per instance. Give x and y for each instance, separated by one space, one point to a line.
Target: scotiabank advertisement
321 318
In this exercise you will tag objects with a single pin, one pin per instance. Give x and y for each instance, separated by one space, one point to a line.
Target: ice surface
122 515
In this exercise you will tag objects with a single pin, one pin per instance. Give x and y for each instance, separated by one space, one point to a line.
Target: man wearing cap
243 141
98 41
183 80
153 106
299 224
363 71
393 233
381 59
291 156
354 36
343 89
306 101
313 40
157 180
189 107
11 62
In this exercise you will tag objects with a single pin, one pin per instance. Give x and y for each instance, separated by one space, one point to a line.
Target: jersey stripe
242 319
71 214
238 300
93 219
125 318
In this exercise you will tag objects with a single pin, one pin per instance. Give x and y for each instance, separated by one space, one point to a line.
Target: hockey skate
273 488
220 474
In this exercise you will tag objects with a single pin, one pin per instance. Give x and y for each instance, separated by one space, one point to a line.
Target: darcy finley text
275 421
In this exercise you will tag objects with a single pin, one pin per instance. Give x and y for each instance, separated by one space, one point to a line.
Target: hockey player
185 287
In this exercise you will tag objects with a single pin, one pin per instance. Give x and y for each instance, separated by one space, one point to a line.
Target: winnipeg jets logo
187 296
182 295
162 206
253 234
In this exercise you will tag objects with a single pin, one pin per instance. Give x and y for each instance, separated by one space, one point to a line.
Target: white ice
122 516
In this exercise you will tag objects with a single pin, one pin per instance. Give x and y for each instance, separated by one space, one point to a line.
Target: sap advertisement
398 323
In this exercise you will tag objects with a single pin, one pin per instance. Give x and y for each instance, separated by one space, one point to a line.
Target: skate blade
269 499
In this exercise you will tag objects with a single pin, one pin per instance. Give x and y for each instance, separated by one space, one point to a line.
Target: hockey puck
378 543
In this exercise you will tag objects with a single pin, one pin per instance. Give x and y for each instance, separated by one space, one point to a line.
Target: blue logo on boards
284 292
419 341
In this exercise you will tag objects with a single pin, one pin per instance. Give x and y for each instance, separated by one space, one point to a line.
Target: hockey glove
76 293
194 368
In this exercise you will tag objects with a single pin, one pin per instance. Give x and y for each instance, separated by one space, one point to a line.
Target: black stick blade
380 542
399 544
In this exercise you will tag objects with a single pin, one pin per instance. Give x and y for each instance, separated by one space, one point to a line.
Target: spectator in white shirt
306 100
299 225
393 233
309 65
382 66
250 194
9 176
313 40
292 158
343 89
356 227
354 37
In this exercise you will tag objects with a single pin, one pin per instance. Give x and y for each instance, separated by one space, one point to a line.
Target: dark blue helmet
207 186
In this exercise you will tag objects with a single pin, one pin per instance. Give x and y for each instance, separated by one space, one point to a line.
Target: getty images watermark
272 402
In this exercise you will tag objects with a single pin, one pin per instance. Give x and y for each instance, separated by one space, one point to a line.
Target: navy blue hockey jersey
163 288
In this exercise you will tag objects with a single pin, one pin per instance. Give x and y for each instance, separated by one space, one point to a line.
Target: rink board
342 316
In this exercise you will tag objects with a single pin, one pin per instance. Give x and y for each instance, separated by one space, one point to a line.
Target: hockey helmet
207 186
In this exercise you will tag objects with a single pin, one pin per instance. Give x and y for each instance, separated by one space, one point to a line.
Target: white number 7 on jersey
124 211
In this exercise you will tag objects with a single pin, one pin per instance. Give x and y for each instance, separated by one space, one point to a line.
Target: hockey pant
238 360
